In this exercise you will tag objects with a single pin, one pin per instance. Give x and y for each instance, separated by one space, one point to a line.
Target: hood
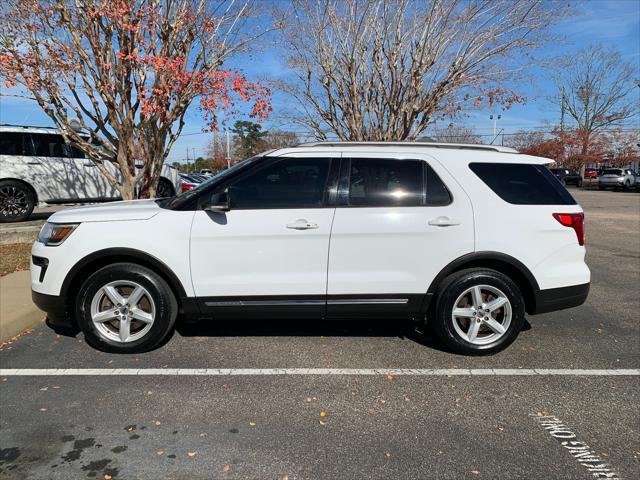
105 212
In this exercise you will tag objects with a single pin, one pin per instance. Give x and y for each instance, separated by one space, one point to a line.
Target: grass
14 257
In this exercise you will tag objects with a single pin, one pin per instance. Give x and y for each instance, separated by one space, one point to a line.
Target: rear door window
612 171
11 143
523 184
379 182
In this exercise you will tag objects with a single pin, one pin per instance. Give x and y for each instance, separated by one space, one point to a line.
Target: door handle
34 163
302 224
444 222
89 164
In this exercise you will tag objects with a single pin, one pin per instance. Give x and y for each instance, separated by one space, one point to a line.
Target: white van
38 167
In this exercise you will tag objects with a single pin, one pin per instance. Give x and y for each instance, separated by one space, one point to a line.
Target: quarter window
287 183
523 184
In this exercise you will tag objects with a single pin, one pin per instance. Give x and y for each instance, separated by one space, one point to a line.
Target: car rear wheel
126 308
478 312
17 201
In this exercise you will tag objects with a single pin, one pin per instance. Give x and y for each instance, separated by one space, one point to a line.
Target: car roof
449 152
28 129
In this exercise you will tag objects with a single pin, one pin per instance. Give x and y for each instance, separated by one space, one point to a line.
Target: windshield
187 195
613 171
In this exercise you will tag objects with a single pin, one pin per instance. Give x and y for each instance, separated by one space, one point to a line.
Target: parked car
188 182
568 177
469 242
38 167
590 173
617 178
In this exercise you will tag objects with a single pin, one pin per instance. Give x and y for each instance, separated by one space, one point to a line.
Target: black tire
166 307
600 187
579 184
454 286
165 189
17 201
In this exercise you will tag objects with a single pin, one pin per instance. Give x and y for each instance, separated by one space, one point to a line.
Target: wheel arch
26 184
96 260
500 262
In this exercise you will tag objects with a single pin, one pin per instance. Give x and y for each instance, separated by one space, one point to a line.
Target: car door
267 255
398 223
59 175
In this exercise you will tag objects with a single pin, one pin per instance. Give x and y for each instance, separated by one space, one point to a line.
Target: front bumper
554 299
56 308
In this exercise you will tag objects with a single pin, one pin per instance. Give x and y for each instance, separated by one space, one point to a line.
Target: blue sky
613 23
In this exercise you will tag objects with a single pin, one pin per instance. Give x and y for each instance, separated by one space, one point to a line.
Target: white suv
37 167
467 237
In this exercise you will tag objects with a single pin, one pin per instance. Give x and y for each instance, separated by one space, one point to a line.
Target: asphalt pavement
201 424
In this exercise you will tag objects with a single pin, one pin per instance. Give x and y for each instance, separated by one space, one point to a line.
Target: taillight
186 186
572 220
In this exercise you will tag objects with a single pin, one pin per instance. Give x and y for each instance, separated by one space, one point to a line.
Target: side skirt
313 306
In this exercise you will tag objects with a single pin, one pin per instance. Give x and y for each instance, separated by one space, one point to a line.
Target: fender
124 253
478 259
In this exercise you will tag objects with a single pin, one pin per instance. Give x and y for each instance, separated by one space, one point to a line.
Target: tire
149 323
627 185
455 331
600 187
165 189
579 184
17 201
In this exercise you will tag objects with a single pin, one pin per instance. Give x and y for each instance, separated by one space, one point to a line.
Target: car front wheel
17 201
126 308
478 312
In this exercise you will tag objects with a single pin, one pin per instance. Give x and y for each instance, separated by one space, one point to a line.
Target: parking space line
425 372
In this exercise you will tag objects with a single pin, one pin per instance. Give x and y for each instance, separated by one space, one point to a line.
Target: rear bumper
554 299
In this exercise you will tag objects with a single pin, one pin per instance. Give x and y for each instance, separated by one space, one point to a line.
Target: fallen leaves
191 454
475 472
322 423
107 476
389 376
323 414
160 452
43 409
252 424
157 423
226 468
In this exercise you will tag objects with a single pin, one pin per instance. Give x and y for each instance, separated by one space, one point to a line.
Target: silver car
617 178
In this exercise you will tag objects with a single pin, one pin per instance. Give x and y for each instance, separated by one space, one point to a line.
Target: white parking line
214 372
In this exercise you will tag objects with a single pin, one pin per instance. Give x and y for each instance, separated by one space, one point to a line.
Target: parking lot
345 400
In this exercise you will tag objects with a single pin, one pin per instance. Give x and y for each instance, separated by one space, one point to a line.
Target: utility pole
495 119
562 111
228 151
188 168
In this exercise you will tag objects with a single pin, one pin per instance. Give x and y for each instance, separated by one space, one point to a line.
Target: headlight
53 234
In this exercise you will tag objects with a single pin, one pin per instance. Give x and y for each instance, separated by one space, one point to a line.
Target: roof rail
459 146
25 126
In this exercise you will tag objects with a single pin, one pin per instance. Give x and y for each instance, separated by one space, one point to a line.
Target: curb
19 234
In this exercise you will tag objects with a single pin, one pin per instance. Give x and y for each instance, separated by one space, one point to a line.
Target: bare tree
127 72
386 69
278 139
597 89
457 134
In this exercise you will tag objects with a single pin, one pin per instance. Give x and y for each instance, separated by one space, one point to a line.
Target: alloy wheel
13 201
123 311
481 314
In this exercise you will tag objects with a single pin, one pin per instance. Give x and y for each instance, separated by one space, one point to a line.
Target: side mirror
219 203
